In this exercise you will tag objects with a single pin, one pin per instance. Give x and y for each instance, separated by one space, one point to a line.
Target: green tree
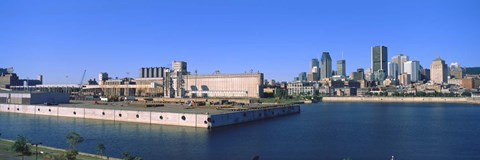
281 93
71 154
101 149
21 146
421 94
466 94
73 139
396 94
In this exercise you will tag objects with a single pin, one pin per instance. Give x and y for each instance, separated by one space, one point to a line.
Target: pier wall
153 117
246 116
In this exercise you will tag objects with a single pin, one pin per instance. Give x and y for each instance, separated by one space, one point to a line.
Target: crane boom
83 78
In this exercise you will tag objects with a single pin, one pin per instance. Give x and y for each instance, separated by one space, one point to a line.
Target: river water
321 131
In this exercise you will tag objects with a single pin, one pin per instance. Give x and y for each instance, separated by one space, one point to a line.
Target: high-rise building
413 69
358 75
341 68
393 70
380 60
456 71
438 71
326 66
302 76
314 63
314 71
313 75
400 59
404 79
425 74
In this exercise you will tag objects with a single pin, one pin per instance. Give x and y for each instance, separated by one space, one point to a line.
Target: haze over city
60 39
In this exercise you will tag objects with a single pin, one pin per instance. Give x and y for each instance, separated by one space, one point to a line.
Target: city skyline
62 39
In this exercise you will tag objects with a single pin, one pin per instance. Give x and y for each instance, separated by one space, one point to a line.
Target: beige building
404 79
225 85
438 71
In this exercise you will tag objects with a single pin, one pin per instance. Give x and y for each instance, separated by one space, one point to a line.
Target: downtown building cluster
395 76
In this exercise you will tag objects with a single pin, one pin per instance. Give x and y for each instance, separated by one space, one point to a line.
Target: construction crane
81 85
83 77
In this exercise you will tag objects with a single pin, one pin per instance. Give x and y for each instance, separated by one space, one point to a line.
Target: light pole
36 149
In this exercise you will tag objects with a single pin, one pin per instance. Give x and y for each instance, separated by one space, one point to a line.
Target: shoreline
52 150
404 99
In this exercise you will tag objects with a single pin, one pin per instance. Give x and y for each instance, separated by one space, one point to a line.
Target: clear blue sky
277 37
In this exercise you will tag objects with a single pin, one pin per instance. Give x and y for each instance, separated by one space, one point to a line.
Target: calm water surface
320 131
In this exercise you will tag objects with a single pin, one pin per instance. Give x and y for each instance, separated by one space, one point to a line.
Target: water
320 131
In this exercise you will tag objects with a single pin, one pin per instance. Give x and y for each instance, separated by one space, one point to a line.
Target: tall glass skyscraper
326 66
380 59
314 71
341 68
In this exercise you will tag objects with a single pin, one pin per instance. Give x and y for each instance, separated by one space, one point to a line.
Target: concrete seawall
202 120
403 99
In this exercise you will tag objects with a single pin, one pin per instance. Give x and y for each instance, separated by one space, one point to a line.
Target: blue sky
62 38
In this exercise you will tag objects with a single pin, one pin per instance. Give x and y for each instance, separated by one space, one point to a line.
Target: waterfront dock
177 115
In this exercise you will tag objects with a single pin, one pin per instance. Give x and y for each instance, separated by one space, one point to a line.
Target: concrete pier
170 115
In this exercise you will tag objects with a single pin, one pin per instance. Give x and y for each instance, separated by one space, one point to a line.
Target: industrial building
179 83
225 85
8 78
33 98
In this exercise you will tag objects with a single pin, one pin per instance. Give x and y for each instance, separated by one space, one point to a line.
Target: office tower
314 71
341 68
326 66
413 69
302 76
438 71
456 71
358 75
404 79
380 60
393 70
400 59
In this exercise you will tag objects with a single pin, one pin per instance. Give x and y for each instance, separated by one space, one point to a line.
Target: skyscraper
380 59
413 69
400 59
314 71
314 63
326 66
438 71
341 68
456 71
393 70
302 76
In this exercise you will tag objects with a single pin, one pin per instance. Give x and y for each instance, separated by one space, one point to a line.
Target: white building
400 59
412 68
302 88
